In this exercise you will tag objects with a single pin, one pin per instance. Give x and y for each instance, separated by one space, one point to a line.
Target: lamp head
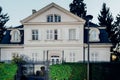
89 17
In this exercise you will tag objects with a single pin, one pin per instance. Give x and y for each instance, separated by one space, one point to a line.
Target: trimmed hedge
105 71
7 71
78 71
68 71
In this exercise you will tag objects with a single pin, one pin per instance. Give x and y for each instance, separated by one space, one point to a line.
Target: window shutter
66 34
59 34
77 34
45 34
39 35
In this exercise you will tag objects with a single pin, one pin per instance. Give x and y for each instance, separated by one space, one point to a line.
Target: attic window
53 18
94 35
15 36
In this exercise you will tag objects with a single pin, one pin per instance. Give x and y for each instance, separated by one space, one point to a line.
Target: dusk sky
20 9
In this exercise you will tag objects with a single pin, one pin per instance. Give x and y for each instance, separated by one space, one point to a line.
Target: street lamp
88 18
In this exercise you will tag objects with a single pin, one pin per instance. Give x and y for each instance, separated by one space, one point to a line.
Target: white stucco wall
103 53
7 53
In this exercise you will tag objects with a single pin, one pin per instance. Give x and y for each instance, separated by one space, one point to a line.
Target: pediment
41 15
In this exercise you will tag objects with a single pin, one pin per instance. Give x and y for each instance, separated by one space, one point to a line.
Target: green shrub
7 71
68 71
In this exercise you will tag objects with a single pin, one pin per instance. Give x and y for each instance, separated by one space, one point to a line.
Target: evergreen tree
3 19
116 30
78 7
115 34
105 18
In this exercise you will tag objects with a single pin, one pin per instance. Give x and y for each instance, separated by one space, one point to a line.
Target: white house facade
56 35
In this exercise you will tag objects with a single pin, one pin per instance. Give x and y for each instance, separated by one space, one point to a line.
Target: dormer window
53 18
94 35
15 36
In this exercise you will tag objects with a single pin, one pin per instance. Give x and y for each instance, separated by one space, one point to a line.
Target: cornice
97 45
53 23
96 27
53 45
11 45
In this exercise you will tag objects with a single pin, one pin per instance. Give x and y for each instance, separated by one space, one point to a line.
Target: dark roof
103 36
91 24
20 26
7 37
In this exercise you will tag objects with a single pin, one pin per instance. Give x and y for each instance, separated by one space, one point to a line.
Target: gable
41 15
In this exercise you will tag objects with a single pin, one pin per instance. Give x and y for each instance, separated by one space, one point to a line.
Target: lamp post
88 18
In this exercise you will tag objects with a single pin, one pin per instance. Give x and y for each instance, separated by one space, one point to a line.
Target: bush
7 71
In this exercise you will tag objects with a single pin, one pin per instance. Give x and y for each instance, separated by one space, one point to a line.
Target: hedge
68 71
78 71
7 71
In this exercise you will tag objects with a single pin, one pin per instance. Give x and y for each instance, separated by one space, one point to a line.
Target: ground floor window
55 59
94 57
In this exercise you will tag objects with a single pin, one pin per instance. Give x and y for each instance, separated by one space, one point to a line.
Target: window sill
94 41
34 40
54 40
14 41
73 40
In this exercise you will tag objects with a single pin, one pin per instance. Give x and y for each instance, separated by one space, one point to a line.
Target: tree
105 18
115 37
78 7
3 19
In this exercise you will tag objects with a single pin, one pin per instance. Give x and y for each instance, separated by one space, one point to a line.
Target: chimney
34 11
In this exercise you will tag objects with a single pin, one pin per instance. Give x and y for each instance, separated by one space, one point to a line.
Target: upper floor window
53 18
72 34
34 34
94 35
52 34
15 36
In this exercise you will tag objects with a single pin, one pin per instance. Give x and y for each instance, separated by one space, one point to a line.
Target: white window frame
53 18
34 57
52 34
72 57
15 36
35 34
54 59
72 34
94 35
94 57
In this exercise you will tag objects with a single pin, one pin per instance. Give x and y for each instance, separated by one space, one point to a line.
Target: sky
19 9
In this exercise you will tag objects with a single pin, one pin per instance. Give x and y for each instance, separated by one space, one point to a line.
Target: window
15 36
34 57
52 34
55 34
72 57
53 18
94 34
34 34
72 34
50 18
55 59
94 57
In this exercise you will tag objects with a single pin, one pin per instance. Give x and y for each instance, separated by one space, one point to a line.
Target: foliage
3 19
18 59
68 71
115 37
7 71
78 7
105 17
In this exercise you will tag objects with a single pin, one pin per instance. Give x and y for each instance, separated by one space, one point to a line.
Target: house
55 34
